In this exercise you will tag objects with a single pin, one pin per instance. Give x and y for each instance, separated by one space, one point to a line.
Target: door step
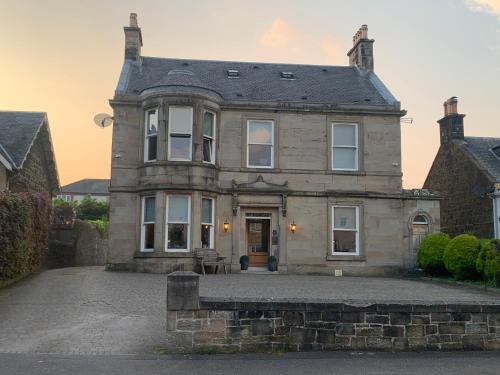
259 270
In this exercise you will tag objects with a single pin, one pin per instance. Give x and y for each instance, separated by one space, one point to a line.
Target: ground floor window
178 221
345 230
207 223
148 224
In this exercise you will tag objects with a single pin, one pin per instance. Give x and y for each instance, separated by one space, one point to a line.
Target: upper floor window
150 134
345 231
345 147
260 144
209 137
148 224
180 133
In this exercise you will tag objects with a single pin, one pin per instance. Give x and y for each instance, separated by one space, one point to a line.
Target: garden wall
212 325
82 245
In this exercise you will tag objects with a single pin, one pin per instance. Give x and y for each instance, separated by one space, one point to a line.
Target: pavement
484 363
88 311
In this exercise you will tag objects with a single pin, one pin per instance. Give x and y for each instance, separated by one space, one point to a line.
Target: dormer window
233 73
287 75
151 134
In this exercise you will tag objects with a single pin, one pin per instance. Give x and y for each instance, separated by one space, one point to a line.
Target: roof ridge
249 62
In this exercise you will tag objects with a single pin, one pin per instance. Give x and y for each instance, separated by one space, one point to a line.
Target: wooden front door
258 241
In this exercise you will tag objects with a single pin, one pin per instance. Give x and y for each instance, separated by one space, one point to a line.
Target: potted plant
272 263
244 262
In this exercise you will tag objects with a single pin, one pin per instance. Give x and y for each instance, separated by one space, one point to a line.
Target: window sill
348 173
164 254
348 258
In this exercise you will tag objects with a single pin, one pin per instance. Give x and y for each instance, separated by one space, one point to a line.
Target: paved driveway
89 311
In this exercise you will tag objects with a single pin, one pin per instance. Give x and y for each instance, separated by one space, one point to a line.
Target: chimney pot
133 20
452 124
361 53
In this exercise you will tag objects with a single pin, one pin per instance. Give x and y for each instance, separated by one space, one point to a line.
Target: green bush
91 209
24 229
460 257
101 225
430 253
488 261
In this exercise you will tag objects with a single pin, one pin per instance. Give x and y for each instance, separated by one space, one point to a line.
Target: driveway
90 311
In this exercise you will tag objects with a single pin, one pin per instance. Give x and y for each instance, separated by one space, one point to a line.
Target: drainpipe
495 196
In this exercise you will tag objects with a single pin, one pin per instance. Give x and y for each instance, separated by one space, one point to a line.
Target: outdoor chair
209 257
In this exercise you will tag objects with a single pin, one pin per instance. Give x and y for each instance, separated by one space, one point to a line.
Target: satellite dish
103 119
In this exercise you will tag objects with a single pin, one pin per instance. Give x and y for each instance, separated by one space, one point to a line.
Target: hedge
460 257
24 229
430 253
488 261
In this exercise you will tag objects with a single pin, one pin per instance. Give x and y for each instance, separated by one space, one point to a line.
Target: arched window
420 219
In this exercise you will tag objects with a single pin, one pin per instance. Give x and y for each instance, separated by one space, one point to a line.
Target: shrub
101 225
488 261
430 253
460 257
24 228
91 209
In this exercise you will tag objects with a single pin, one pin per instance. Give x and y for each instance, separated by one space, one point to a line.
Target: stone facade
4 181
34 176
301 187
213 325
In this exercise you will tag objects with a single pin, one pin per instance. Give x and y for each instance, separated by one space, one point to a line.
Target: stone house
302 162
466 172
98 189
27 161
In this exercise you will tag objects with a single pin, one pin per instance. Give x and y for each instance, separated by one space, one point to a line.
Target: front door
258 241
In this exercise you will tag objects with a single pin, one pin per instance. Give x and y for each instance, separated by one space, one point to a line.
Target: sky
64 57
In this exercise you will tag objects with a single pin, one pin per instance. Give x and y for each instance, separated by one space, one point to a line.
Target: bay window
207 223
260 144
345 230
345 147
150 134
180 133
148 224
178 222
209 137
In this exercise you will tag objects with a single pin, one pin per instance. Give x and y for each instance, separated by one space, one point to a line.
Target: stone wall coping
298 304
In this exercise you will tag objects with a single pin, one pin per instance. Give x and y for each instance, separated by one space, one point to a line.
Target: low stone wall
210 325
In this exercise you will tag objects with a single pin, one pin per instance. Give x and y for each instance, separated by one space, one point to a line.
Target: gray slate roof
18 130
480 149
87 186
313 84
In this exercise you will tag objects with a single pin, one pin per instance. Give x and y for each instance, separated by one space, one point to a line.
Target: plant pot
244 266
272 266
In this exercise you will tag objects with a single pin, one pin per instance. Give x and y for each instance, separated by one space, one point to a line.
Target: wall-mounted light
293 227
225 226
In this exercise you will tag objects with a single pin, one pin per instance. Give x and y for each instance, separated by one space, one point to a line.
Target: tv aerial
103 120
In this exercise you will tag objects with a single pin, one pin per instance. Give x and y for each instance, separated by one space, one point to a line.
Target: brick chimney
361 53
133 39
451 126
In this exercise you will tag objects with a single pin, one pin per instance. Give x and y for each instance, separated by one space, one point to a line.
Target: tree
91 209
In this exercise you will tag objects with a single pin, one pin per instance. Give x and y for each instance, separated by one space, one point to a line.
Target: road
289 364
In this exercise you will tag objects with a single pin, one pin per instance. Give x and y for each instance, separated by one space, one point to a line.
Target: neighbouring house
27 161
301 162
76 191
466 172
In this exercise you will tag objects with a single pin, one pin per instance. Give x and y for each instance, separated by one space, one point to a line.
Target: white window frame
356 147
213 138
143 224
147 136
170 134
256 143
212 224
64 197
167 222
346 230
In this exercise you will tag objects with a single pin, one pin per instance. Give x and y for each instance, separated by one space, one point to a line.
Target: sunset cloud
331 47
279 34
487 6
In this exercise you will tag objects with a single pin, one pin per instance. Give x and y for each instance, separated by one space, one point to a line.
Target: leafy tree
91 209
